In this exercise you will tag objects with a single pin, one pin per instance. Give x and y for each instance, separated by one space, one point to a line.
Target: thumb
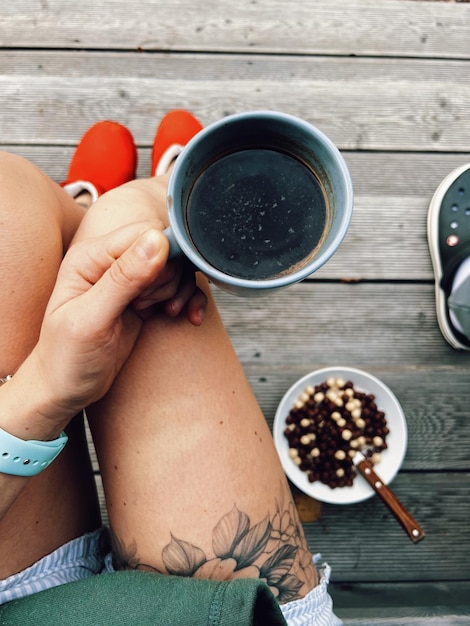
129 274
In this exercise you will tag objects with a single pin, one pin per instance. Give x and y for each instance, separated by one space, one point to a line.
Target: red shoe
173 133
105 158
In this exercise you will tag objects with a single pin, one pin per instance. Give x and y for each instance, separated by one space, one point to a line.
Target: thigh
192 481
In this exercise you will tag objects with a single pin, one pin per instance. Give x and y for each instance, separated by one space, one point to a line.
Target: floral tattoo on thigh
273 550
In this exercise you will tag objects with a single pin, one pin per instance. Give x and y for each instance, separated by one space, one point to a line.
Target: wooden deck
388 81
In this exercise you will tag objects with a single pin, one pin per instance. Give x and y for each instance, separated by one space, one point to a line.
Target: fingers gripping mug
258 201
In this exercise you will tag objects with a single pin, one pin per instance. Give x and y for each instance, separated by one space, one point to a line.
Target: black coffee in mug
257 214
258 201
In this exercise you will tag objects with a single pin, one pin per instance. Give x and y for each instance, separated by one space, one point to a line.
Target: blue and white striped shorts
90 555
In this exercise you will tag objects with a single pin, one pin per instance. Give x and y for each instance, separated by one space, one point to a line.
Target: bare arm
87 334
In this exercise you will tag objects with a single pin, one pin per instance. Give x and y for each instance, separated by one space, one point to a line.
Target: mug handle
175 249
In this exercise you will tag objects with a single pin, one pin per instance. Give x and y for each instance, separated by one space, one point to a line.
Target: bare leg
192 480
38 221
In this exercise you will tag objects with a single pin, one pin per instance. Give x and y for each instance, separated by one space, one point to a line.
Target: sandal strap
75 188
452 267
459 304
167 159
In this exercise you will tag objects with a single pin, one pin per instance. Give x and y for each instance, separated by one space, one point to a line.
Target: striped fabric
89 555
80 558
316 608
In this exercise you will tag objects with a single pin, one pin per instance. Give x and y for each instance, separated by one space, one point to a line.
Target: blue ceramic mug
258 201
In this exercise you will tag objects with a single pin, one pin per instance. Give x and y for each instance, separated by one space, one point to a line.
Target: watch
28 458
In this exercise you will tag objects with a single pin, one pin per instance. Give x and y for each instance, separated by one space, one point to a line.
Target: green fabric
144 599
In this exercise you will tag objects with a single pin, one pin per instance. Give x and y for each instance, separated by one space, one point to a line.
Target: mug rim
282 280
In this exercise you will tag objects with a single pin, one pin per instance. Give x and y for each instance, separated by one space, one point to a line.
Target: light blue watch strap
28 458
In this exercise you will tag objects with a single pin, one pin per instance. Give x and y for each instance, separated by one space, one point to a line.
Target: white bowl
392 457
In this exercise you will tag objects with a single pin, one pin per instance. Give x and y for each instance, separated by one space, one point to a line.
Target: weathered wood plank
365 597
387 236
368 325
378 174
386 240
372 546
435 403
382 241
362 104
388 330
409 616
363 548
389 27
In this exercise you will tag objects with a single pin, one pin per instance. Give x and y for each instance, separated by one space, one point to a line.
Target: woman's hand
174 291
105 288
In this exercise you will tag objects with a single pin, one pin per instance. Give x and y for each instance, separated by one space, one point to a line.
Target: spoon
412 528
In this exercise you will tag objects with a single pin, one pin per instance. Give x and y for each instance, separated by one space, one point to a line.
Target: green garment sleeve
142 599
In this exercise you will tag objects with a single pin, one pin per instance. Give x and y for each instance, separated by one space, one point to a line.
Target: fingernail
148 244
199 316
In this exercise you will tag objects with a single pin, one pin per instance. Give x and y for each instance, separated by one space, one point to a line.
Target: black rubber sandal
449 244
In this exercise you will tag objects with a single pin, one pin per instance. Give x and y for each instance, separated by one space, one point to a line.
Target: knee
37 203
31 251
19 180
14 167
137 200
28 208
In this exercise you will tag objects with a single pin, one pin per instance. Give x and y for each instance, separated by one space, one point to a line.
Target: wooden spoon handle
414 531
